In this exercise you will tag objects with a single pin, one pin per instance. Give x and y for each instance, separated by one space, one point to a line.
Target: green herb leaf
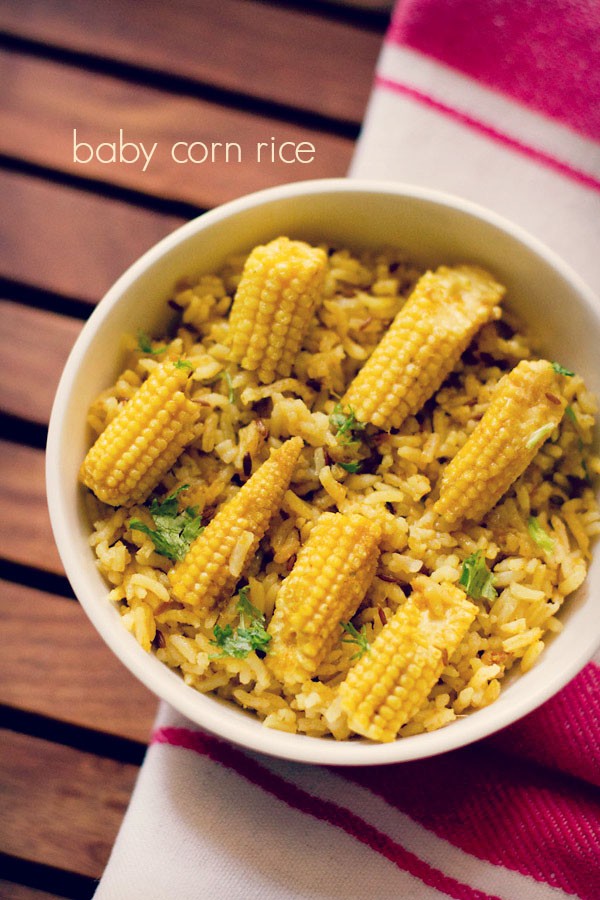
246 608
174 531
539 536
476 578
561 370
230 388
356 637
345 424
571 414
239 642
145 345
539 435
183 364
352 467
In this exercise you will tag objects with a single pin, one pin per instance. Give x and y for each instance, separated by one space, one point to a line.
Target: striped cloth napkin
498 101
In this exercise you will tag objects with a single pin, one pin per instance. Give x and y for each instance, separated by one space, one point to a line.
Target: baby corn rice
344 494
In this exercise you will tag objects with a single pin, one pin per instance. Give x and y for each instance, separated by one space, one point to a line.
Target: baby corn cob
423 344
526 407
277 295
391 682
326 586
144 439
219 555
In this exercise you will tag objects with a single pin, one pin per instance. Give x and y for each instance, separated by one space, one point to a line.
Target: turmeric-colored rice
241 419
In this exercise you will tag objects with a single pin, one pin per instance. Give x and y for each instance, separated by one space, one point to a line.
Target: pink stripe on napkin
564 733
496 134
547 57
312 805
507 811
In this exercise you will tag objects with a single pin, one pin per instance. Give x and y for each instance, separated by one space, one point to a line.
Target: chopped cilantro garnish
246 608
476 578
560 370
586 473
174 531
249 636
230 388
539 536
356 637
571 414
145 345
539 435
352 467
345 424
183 364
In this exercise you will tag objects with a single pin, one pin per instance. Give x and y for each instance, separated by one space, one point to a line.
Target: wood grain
235 45
64 670
68 241
25 533
30 374
11 891
65 805
44 102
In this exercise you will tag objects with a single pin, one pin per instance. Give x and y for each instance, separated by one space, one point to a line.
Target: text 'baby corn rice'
342 493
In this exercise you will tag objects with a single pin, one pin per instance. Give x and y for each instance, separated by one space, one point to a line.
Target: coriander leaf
174 531
539 435
145 345
539 536
183 364
352 467
246 608
560 370
356 637
246 638
168 506
229 643
230 388
476 578
242 641
345 424
571 414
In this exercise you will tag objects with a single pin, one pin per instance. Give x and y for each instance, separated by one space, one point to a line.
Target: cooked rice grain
242 419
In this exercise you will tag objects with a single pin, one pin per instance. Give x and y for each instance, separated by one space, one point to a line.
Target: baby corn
279 290
326 586
526 407
221 553
144 439
393 680
423 344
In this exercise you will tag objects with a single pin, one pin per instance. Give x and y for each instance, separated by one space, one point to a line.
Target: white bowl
434 228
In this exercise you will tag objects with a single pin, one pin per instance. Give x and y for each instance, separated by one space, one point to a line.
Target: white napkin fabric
498 101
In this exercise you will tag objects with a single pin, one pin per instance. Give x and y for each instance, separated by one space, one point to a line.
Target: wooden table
74 723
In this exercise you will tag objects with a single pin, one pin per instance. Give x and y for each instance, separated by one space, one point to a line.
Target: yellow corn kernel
393 680
144 439
279 290
219 555
423 344
326 586
525 408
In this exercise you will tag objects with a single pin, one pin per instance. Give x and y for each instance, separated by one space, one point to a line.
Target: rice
241 419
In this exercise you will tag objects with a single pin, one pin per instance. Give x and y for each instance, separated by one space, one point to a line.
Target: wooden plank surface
11 891
65 670
25 532
45 102
292 57
243 71
35 346
65 805
66 240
